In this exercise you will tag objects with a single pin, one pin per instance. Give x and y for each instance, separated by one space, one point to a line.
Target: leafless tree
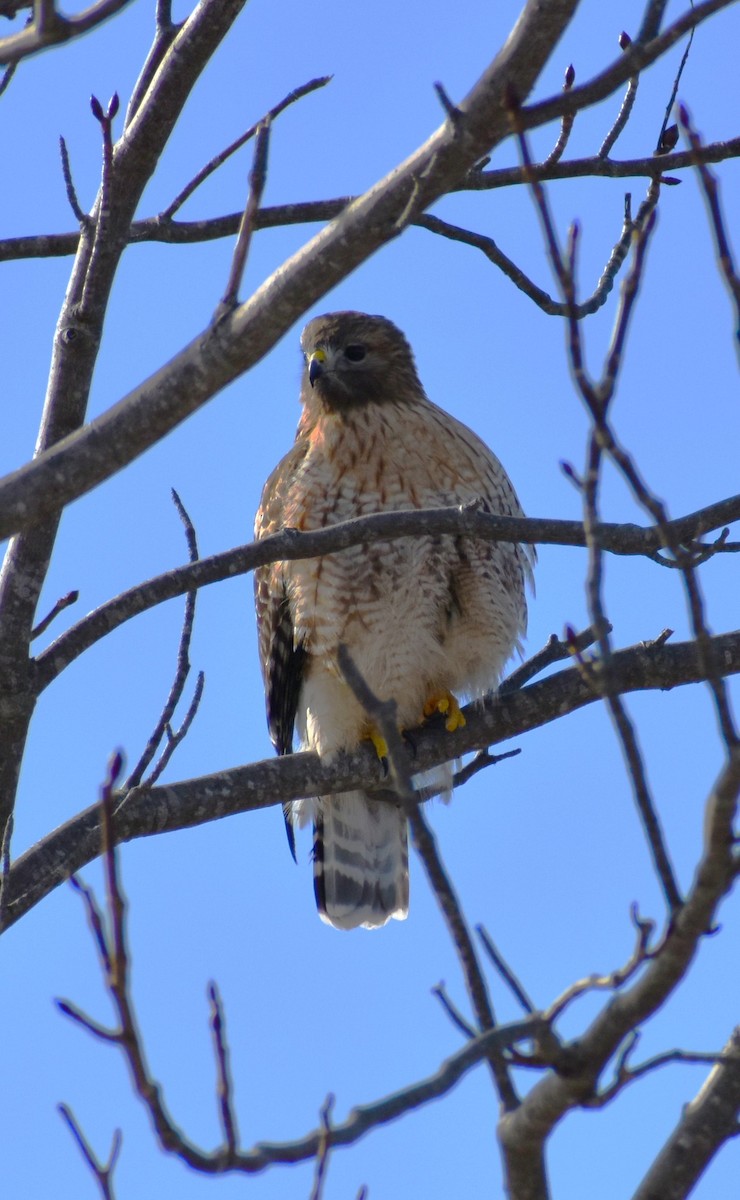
75 454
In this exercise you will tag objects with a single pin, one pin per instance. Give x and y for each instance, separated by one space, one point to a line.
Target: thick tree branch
624 539
275 781
127 168
555 1094
222 352
705 1124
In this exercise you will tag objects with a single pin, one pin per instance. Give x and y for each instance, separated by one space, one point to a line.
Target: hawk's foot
371 734
445 703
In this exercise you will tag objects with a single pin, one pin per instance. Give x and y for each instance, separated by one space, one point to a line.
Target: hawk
425 619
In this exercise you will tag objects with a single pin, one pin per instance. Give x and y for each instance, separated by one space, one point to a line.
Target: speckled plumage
418 615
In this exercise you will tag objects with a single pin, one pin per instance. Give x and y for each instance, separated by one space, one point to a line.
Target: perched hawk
425 619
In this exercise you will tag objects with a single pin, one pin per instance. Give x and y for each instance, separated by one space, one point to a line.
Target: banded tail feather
361 861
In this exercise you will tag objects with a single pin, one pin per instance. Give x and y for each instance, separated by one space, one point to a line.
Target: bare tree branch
224 1085
50 28
711 194
126 170
257 181
219 159
615 979
163 726
559 1091
102 1172
294 544
382 715
566 124
239 342
640 55
161 229
277 780
626 106
113 951
708 1121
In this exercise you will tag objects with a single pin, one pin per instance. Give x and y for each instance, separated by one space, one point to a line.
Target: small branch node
453 113
505 971
453 1012
62 603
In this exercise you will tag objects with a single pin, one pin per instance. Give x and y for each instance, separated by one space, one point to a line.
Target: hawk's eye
355 352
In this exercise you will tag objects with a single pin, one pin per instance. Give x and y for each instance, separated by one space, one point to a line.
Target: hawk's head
353 359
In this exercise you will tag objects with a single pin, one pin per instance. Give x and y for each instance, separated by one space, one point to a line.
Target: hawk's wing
281 658
283 671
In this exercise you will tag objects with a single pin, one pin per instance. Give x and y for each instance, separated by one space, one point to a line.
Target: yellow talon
444 702
378 741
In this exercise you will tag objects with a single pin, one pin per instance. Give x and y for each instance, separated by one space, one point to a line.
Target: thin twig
324 1147
95 922
163 726
165 32
453 1012
711 195
8 74
481 762
296 94
597 398
553 651
451 111
176 736
505 970
625 1074
102 212
521 280
224 1085
62 603
642 952
566 123
626 107
257 180
74 203
674 91
102 1172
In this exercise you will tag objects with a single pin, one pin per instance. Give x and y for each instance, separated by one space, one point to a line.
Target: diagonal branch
382 714
296 94
50 28
705 1124
557 1093
242 339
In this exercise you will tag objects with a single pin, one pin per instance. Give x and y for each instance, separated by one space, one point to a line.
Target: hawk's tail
361 861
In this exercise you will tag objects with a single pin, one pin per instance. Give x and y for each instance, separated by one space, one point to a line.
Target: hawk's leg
372 734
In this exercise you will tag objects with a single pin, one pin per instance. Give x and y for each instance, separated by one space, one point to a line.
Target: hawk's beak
316 366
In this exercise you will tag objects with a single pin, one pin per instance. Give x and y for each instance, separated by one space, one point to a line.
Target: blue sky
546 849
